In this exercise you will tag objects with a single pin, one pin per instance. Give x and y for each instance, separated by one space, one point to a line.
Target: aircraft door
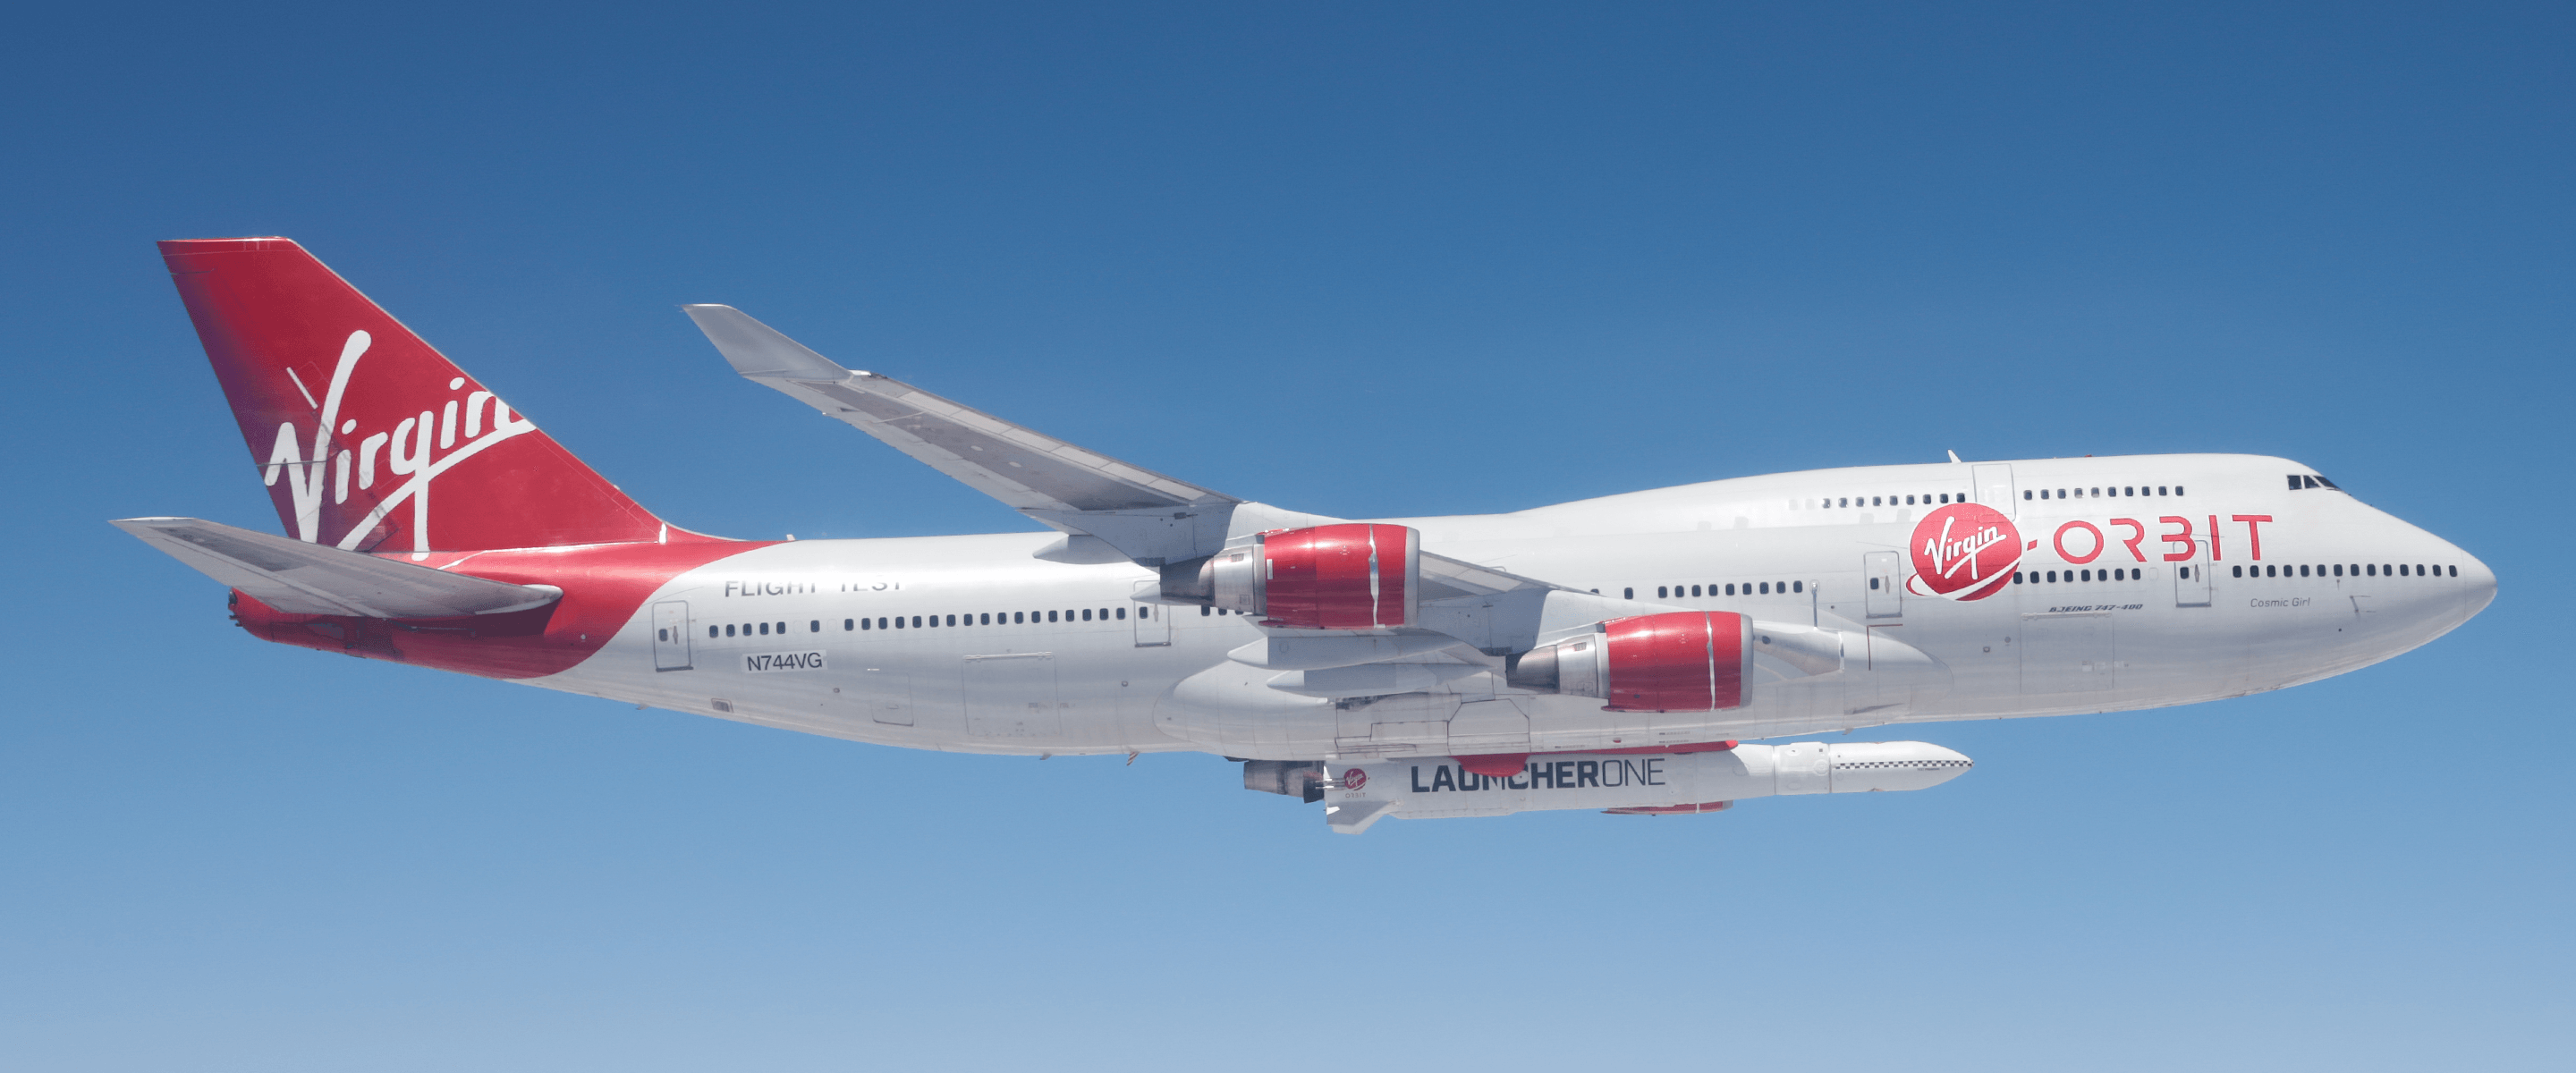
2191 579
1153 625
1995 487
671 635
1881 572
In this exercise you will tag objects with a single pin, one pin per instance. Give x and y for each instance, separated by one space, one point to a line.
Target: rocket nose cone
1947 763
1894 765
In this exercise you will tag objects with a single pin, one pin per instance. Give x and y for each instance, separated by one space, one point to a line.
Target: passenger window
848 625
2177 489
2371 568
2129 491
2240 571
1909 501
1873 501
1945 497
2338 569
1730 589
2025 493
916 621
1797 586
2419 570
2088 575
2455 571
1086 614
2016 579
1627 594
1873 583
1694 590
1659 592
867 623
728 629
1206 611
1122 614
2052 577
1050 616
814 626
711 631
2160 489
952 619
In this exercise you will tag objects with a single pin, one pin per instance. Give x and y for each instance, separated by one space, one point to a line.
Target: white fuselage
2152 621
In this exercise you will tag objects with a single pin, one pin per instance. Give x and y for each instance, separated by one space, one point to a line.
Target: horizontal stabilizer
302 578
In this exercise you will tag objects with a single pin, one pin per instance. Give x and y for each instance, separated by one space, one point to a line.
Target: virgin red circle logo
1964 551
1354 779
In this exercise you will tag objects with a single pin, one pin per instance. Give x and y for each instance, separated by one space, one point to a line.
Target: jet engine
1345 576
1679 661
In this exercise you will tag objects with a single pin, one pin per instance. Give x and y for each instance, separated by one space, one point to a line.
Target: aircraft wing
1146 516
1062 485
302 578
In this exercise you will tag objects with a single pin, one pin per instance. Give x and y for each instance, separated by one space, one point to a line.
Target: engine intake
1680 661
1345 576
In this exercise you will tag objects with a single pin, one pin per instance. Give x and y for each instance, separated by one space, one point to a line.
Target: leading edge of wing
1022 467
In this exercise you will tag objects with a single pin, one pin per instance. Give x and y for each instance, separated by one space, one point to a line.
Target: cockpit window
2303 481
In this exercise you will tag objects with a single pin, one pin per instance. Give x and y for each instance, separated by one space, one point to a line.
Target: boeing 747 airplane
1619 653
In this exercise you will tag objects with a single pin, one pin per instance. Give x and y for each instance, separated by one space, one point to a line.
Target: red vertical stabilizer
368 438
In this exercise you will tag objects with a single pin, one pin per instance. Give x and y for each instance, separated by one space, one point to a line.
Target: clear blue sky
1361 259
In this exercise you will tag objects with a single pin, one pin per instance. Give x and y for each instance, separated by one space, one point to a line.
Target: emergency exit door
2191 579
671 635
1995 487
1153 625
1880 572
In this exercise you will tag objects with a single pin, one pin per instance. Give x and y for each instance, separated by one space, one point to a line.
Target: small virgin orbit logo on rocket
1964 551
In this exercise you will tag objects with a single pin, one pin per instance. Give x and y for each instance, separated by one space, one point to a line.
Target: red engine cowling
1347 576
1680 661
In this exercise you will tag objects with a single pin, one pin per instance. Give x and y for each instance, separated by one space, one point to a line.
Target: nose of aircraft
2477 586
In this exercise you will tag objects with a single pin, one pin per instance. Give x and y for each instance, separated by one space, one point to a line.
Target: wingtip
757 350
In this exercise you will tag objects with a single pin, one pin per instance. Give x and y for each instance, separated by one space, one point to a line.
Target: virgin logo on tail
406 451
1964 551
